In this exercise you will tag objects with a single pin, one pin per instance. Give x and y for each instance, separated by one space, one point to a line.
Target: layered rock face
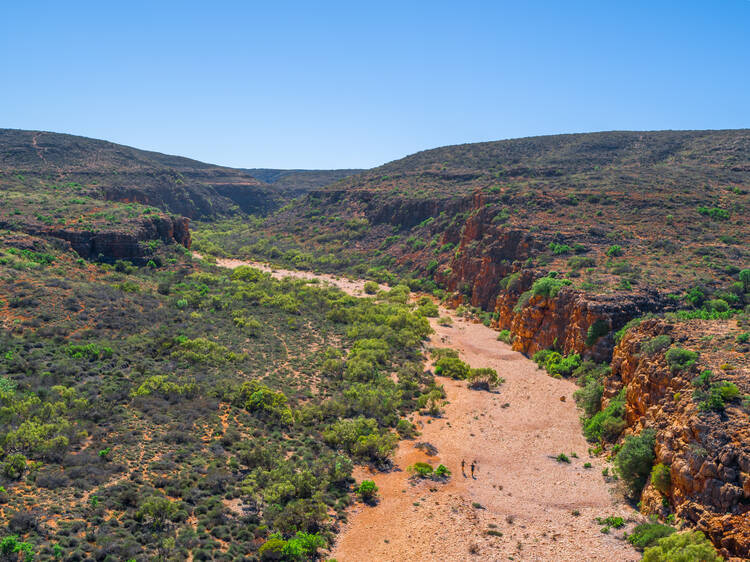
564 321
128 241
127 244
487 253
708 452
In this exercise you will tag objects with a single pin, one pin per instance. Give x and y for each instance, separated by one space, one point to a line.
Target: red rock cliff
708 452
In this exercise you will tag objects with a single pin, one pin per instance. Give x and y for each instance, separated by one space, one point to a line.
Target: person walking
463 467
472 469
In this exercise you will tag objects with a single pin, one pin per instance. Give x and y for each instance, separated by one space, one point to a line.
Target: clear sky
321 84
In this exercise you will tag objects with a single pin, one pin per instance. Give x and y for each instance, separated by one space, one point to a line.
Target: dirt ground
535 507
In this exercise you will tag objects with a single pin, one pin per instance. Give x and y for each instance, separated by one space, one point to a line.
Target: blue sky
356 84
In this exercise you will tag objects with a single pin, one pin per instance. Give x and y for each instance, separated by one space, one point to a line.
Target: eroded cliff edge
706 446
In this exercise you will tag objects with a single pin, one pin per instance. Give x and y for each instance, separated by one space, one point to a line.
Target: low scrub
556 364
549 286
680 359
647 534
682 547
483 379
425 470
656 344
452 367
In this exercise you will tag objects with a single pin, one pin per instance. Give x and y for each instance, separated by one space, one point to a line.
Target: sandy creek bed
523 491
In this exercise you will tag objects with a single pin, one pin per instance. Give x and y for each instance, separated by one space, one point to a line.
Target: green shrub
442 471
90 351
598 329
158 510
427 308
631 324
548 286
717 305
511 281
556 364
440 352
716 395
695 296
614 251
304 546
680 359
562 457
656 344
371 287
13 466
362 438
452 367
483 378
704 379
540 357
727 390
743 338
744 277
646 534
11 547
608 423
661 478
504 336
405 429
635 458
690 546
559 249
611 521
367 490
589 397
421 469
714 213
272 549
580 262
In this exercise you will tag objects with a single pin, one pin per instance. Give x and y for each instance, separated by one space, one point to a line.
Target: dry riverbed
535 507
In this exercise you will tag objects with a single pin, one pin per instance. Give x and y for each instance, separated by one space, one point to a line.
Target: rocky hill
114 172
293 183
111 201
629 222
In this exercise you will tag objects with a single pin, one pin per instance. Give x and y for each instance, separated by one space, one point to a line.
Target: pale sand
518 478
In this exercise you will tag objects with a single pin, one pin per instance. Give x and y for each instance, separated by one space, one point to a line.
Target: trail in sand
520 490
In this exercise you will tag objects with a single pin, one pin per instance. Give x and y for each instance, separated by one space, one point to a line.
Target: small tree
635 458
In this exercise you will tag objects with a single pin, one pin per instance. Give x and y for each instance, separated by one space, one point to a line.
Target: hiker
463 467
472 468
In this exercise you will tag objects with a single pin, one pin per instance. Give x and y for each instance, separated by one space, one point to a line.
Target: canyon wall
707 452
488 252
128 241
